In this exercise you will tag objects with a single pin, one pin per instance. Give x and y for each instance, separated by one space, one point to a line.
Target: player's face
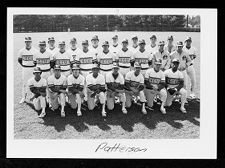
28 44
95 71
137 70
124 45
85 46
135 40
94 42
76 72
153 40
42 47
62 47
51 43
115 40
157 67
105 47
175 65
179 48
170 41
57 72
161 47
37 75
142 46
73 43
188 42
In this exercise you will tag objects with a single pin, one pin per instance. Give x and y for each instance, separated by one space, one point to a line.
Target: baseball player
95 48
75 85
115 88
115 47
96 89
25 59
190 70
124 57
163 55
184 60
143 57
155 85
152 47
51 48
135 47
63 58
37 86
57 84
105 59
134 85
175 84
73 50
170 47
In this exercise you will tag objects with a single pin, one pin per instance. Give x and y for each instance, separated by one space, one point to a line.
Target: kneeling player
96 89
115 87
155 85
175 83
37 86
75 83
134 86
57 84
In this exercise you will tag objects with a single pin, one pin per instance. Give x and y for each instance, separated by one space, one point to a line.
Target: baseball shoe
144 111
42 115
63 114
192 96
22 101
103 113
183 110
124 110
163 110
79 113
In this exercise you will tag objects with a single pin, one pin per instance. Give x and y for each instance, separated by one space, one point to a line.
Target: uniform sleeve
150 56
107 79
128 76
20 53
30 83
69 82
142 79
65 81
82 81
88 80
50 81
147 74
77 59
132 56
181 75
51 56
162 77
165 73
122 80
44 83
102 80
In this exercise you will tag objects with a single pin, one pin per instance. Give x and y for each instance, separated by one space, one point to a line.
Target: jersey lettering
124 60
141 60
106 61
43 60
87 60
154 80
63 62
27 57
173 81
134 84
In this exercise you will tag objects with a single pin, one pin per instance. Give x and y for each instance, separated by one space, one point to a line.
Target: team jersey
72 81
86 59
173 78
43 60
124 58
191 51
133 49
74 53
164 56
110 79
106 60
183 57
91 81
53 81
154 77
115 49
53 51
63 59
169 49
96 50
38 84
143 58
134 81
151 49
27 56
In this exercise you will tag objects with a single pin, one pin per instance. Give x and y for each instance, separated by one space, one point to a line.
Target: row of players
104 89
124 55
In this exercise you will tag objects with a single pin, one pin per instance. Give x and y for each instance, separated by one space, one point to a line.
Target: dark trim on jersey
105 69
45 70
85 69
144 68
28 66
123 66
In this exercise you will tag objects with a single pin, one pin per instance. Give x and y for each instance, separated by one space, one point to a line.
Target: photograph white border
203 148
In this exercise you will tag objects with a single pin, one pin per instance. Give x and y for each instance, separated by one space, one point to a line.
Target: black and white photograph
116 75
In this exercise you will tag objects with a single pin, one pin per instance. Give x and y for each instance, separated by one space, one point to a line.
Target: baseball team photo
106 76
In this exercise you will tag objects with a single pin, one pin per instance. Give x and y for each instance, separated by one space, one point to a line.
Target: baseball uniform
115 48
74 53
53 51
95 50
133 49
170 49
165 57
152 49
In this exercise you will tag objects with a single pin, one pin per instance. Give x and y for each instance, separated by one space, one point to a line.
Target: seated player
155 85
115 88
37 86
96 89
134 86
75 83
174 84
57 84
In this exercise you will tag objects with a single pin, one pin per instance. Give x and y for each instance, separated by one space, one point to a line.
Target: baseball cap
62 43
95 66
115 37
158 61
115 65
73 39
28 39
153 36
57 67
75 66
180 43
42 43
188 39
134 37
137 65
85 42
170 37
142 41
51 39
124 41
105 43
37 69
175 60
161 43
95 38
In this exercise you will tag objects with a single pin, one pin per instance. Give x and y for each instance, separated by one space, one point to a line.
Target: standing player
96 89
75 83
115 88
57 84
25 58
190 70
135 47
115 47
105 59
134 86
95 48
37 86
73 50
184 60
63 58
175 85
163 55
124 57
152 47
52 49
169 47
143 57
155 85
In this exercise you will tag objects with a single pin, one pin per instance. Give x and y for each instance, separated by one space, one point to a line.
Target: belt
123 66
65 70
105 69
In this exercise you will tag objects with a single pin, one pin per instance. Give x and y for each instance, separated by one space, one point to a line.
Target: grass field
116 125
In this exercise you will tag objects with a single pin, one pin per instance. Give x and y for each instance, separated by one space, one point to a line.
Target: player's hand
172 90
